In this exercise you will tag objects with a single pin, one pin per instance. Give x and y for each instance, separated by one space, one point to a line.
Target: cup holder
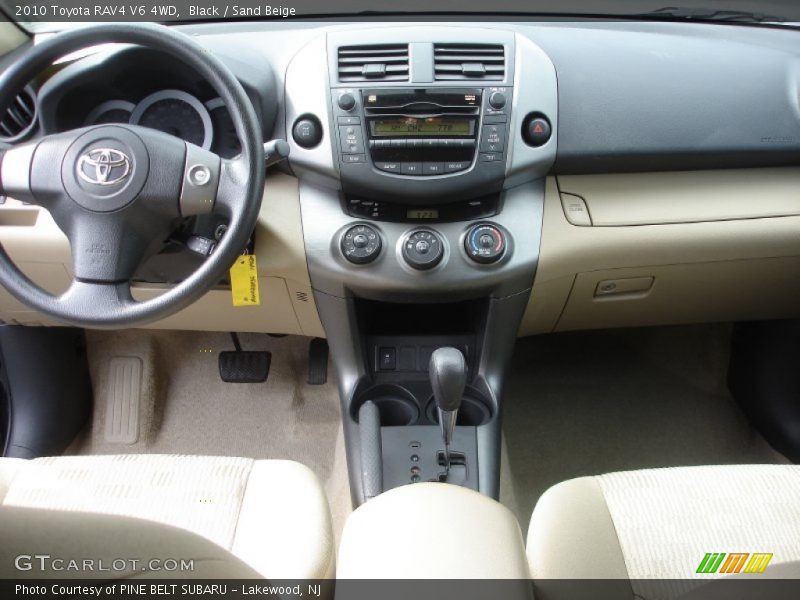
474 410
396 405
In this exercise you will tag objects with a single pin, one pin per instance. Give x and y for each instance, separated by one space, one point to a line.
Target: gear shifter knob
448 373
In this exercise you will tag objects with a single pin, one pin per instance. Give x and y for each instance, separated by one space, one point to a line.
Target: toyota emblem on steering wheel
104 166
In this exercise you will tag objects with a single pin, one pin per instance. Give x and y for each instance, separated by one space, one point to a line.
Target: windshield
38 17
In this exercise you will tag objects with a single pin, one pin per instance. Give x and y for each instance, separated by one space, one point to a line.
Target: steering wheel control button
105 169
361 244
536 130
307 131
200 181
423 249
200 175
485 243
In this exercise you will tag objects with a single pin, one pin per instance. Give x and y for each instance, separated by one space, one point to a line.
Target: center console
421 154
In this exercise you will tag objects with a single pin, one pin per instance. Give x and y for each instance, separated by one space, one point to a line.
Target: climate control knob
423 249
485 243
361 244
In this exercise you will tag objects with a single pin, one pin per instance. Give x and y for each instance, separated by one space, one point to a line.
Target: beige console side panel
704 271
37 245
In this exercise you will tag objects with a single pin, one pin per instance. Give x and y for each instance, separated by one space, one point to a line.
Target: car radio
421 143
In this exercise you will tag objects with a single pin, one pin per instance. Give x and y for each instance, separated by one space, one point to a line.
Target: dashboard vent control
466 62
20 118
381 62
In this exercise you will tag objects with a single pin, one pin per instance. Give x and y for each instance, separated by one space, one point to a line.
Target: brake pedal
318 362
244 366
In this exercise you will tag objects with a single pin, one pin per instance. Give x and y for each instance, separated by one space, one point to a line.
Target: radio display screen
413 126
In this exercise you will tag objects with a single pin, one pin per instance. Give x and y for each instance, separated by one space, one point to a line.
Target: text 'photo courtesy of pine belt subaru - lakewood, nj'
427 300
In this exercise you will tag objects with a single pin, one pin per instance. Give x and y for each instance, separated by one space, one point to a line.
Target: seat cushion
272 514
660 523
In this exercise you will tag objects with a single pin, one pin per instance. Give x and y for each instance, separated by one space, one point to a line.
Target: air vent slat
387 62
20 118
453 62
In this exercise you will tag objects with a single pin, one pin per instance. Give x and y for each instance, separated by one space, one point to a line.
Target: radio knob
485 243
347 101
361 244
497 100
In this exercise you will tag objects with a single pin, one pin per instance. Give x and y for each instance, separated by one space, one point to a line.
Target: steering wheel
117 191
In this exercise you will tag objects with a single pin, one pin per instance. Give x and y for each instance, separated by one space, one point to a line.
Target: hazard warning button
536 130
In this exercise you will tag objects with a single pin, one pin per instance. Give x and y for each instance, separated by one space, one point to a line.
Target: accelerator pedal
244 366
318 362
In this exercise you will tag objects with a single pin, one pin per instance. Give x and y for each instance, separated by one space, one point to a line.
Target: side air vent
20 119
464 62
383 62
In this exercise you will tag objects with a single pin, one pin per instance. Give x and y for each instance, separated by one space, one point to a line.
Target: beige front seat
659 524
236 517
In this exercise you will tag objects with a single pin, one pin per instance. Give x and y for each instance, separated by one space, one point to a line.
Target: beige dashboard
617 250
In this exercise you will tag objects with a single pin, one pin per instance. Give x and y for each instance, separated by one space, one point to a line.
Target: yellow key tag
244 281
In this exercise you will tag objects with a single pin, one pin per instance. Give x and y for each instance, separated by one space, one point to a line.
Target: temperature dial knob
361 244
423 249
485 243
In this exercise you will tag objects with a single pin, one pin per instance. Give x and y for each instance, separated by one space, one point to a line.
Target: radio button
491 157
493 138
411 168
389 167
349 120
400 143
453 166
432 168
354 158
351 139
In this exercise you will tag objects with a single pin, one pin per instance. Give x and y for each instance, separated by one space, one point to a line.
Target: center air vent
20 118
382 62
464 62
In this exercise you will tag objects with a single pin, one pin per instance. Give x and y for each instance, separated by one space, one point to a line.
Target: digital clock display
411 126
422 213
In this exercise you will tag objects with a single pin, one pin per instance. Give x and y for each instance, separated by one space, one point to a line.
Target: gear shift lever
448 373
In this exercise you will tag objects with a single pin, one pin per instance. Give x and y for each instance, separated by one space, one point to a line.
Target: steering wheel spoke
15 172
104 300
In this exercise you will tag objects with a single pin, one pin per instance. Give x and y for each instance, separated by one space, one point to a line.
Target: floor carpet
587 403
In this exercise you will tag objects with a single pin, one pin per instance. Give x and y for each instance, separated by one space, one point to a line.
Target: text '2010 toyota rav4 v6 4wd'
361 294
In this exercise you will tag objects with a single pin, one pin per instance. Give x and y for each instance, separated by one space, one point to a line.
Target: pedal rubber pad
244 366
122 401
318 362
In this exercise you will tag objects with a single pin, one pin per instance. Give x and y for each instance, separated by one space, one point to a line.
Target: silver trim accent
104 161
198 197
15 173
199 107
107 106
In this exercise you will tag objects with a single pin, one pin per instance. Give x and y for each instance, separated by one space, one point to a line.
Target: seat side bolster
572 534
9 467
284 528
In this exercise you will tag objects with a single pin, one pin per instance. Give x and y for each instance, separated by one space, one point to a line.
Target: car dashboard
608 173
